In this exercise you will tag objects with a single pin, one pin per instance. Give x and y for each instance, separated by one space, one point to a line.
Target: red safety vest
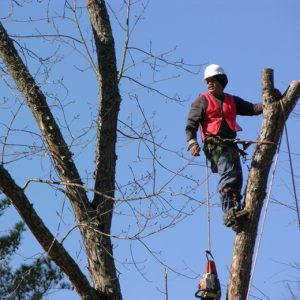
213 116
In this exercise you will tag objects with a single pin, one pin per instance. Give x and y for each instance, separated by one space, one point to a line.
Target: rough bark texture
275 114
94 219
109 106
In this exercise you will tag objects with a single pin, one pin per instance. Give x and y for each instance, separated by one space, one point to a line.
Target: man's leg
231 178
230 183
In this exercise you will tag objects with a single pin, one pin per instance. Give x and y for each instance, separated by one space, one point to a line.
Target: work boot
229 217
241 217
233 218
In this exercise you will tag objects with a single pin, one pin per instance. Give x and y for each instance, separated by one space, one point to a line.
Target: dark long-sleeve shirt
198 110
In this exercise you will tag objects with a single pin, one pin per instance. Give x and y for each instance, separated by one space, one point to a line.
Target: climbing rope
208 208
292 172
209 285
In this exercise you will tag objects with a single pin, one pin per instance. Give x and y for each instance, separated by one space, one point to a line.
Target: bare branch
125 48
49 243
49 128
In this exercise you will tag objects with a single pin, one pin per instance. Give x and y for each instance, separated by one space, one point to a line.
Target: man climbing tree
215 113
91 208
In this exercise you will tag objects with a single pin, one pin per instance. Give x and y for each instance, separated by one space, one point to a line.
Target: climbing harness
209 285
246 143
214 144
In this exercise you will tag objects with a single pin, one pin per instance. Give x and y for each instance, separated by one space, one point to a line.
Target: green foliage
28 281
34 281
10 243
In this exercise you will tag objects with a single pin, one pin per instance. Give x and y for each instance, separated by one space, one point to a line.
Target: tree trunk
104 275
93 219
275 114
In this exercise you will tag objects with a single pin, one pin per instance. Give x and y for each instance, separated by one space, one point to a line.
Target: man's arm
245 108
196 115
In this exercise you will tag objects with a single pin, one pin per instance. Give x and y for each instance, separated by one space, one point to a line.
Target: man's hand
277 94
195 150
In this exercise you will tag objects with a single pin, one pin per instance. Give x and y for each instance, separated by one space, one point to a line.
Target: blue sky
243 37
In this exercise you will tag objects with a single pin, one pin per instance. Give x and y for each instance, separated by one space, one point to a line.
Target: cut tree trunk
275 113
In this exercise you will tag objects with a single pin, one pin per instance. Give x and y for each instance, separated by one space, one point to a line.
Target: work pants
226 162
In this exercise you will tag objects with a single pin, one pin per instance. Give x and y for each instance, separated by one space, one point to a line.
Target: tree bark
275 114
105 162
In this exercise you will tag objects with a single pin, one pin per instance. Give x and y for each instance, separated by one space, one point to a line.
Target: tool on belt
215 145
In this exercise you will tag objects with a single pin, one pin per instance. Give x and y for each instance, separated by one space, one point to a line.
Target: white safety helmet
212 70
